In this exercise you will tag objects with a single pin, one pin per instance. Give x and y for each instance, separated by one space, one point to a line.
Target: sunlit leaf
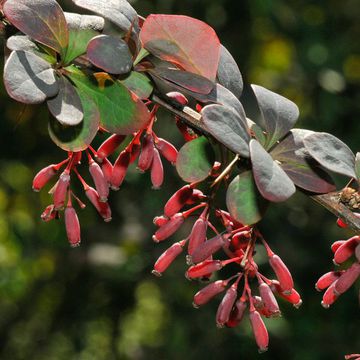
110 54
42 20
228 73
119 12
195 160
271 180
331 153
78 137
139 84
121 111
193 82
195 48
228 127
243 200
82 28
279 114
28 78
298 164
66 105
357 165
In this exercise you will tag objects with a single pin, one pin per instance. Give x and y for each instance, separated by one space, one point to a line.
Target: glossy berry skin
43 177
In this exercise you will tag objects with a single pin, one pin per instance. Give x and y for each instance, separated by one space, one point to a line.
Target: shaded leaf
82 28
257 132
279 114
196 48
299 165
28 78
121 111
42 20
66 105
119 12
244 201
78 137
193 82
228 73
271 180
139 84
110 54
195 160
331 153
357 166
228 127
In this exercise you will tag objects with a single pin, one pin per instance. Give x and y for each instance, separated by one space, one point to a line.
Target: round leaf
331 153
42 20
226 125
244 201
271 180
195 160
66 105
110 54
78 137
28 78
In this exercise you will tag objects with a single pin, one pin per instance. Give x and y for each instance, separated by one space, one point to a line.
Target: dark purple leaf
331 153
279 114
66 105
28 78
228 127
271 180
110 54
42 20
228 73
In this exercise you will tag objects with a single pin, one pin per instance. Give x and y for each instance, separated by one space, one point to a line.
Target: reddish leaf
187 42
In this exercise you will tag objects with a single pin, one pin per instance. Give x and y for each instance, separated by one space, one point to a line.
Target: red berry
157 171
259 330
167 257
43 177
72 226
208 292
109 146
226 305
178 200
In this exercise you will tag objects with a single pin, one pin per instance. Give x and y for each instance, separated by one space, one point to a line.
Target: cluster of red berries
238 243
338 282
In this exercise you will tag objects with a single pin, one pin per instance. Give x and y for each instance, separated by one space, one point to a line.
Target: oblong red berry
157 171
208 248
237 314
167 150
347 279
109 146
268 299
294 298
147 153
101 184
177 201
259 331
178 97
336 245
107 169
160 220
169 228
167 257
43 177
282 273
346 250
330 296
103 208
197 235
49 213
61 189
208 292
226 305
72 226
120 169
196 196
204 268
327 279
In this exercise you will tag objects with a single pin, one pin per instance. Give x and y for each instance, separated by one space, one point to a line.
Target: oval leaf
110 54
279 114
66 105
121 111
42 20
271 180
357 166
195 160
228 73
331 153
78 137
196 48
227 127
244 201
139 84
28 78
299 166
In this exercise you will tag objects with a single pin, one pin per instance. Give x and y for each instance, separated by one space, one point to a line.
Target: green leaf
244 201
331 153
357 165
78 137
271 180
82 28
196 48
298 164
66 105
139 84
256 131
195 160
42 20
228 127
279 114
28 78
110 54
121 111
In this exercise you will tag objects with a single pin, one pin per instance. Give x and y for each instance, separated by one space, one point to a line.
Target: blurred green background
100 301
